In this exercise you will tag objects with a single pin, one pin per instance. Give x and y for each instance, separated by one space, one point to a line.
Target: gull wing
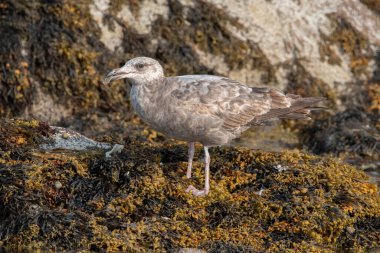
235 103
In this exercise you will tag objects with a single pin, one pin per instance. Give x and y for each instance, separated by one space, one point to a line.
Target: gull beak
115 74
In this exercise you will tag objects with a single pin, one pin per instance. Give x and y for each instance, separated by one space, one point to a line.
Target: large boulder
54 54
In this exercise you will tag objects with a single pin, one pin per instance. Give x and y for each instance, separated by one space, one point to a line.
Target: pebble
58 185
350 230
65 135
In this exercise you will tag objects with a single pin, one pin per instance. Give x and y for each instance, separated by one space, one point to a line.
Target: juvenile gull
208 109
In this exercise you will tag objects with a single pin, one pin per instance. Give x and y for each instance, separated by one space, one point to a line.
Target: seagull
211 110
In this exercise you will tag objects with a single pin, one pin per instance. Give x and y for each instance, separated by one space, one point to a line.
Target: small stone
350 230
280 168
304 190
65 136
58 185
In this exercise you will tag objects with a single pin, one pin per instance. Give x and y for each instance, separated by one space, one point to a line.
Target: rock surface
69 200
327 48
324 48
63 138
319 36
53 55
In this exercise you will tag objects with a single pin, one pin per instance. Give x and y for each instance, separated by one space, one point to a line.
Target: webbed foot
196 192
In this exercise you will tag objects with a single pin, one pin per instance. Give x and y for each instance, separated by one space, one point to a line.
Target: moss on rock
65 200
62 57
136 201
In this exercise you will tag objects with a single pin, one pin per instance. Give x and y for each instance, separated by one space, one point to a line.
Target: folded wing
237 105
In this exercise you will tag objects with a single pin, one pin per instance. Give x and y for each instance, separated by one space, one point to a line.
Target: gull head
138 70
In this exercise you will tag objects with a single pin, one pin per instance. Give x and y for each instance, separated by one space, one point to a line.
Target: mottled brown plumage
211 110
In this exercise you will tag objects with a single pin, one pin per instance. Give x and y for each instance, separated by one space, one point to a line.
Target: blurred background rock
54 54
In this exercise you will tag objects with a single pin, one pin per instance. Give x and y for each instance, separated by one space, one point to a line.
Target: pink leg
191 156
205 191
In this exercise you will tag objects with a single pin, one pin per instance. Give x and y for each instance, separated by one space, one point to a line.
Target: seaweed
373 5
205 27
351 132
48 51
352 43
64 200
53 48
136 201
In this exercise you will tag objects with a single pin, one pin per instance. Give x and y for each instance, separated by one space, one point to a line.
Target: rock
283 31
351 134
63 138
52 70
325 48
136 200
57 185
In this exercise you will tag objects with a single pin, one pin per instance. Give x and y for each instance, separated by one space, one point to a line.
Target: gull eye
139 66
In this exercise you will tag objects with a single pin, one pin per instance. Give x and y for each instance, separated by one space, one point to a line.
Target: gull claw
196 192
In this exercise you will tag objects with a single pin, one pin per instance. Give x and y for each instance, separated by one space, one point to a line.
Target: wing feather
234 103
237 105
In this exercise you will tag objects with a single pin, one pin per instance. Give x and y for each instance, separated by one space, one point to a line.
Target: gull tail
299 108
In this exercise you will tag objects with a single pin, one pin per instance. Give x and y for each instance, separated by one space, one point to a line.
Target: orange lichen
374 94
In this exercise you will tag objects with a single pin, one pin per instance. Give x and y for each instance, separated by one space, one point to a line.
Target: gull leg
191 156
205 191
